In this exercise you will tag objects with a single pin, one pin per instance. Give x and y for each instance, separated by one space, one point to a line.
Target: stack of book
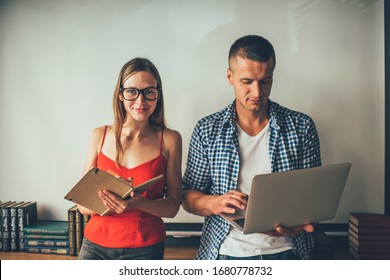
47 237
76 225
369 236
14 216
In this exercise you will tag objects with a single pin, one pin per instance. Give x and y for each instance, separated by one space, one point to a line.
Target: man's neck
252 122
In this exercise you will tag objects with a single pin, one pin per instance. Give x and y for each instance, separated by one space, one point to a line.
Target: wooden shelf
171 253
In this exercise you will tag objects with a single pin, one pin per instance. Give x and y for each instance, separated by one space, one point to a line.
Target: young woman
138 147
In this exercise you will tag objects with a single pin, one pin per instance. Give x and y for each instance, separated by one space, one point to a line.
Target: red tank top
134 228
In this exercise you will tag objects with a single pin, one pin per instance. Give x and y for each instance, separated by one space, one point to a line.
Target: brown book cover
370 220
370 243
369 230
372 237
369 250
86 191
368 256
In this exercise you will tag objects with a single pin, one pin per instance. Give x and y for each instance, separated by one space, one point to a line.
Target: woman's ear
120 97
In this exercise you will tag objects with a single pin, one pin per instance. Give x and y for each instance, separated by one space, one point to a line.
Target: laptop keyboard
240 221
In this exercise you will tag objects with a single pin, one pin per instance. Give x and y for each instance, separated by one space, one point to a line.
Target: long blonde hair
157 118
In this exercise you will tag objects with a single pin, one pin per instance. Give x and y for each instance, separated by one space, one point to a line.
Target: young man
251 136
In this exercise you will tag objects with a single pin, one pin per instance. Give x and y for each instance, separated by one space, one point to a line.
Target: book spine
79 230
14 230
26 216
45 231
72 232
20 228
6 233
45 236
49 250
46 243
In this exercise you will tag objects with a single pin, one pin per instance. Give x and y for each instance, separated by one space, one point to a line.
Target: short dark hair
253 47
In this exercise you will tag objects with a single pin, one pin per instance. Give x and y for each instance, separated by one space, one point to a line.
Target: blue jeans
92 251
285 255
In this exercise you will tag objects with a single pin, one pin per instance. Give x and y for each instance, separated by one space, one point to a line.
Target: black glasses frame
141 91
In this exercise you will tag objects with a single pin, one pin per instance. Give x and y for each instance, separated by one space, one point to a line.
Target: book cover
86 191
369 250
48 250
369 230
14 226
6 226
79 230
72 230
3 204
27 215
370 220
373 237
28 236
46 243
365 256
370 243
48 227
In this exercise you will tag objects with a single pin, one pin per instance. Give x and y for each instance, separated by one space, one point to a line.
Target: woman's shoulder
172 135
98 132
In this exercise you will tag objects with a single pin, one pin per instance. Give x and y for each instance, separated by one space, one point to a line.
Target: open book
86 191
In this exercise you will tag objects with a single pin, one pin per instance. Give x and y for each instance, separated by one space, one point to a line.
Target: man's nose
256 89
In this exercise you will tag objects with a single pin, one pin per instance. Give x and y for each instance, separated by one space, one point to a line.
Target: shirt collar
229 118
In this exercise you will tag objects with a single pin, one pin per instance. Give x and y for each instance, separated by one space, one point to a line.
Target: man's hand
282 231
228 203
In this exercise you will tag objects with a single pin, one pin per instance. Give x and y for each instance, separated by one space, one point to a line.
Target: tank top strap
161 141
104 137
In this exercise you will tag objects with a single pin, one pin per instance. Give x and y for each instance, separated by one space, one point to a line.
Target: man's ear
229 75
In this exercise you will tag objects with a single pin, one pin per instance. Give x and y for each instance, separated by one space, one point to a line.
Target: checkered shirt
213 164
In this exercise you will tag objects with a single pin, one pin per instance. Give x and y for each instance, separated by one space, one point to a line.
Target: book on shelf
48 228
370 243
370 220
368 256
28 236
86 191
79 230
27 215
6 225
72 230
369 230
46 243
14 226
48 250
363 237
77 223
3 205
369 250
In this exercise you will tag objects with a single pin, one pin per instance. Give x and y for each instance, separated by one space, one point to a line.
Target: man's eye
246 82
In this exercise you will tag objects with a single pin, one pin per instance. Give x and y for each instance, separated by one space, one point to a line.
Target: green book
48 227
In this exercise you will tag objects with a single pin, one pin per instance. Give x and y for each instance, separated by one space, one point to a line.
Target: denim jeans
285 255
92 251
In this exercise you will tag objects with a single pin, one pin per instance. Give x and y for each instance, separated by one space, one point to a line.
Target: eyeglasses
150 93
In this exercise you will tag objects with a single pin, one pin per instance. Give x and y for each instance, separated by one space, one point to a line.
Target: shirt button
234 179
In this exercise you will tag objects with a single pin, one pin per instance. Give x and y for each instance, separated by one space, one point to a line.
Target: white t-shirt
254 159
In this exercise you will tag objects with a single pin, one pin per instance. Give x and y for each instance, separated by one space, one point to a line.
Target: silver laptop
292 198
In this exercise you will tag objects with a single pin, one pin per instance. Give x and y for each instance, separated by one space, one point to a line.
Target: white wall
59 62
